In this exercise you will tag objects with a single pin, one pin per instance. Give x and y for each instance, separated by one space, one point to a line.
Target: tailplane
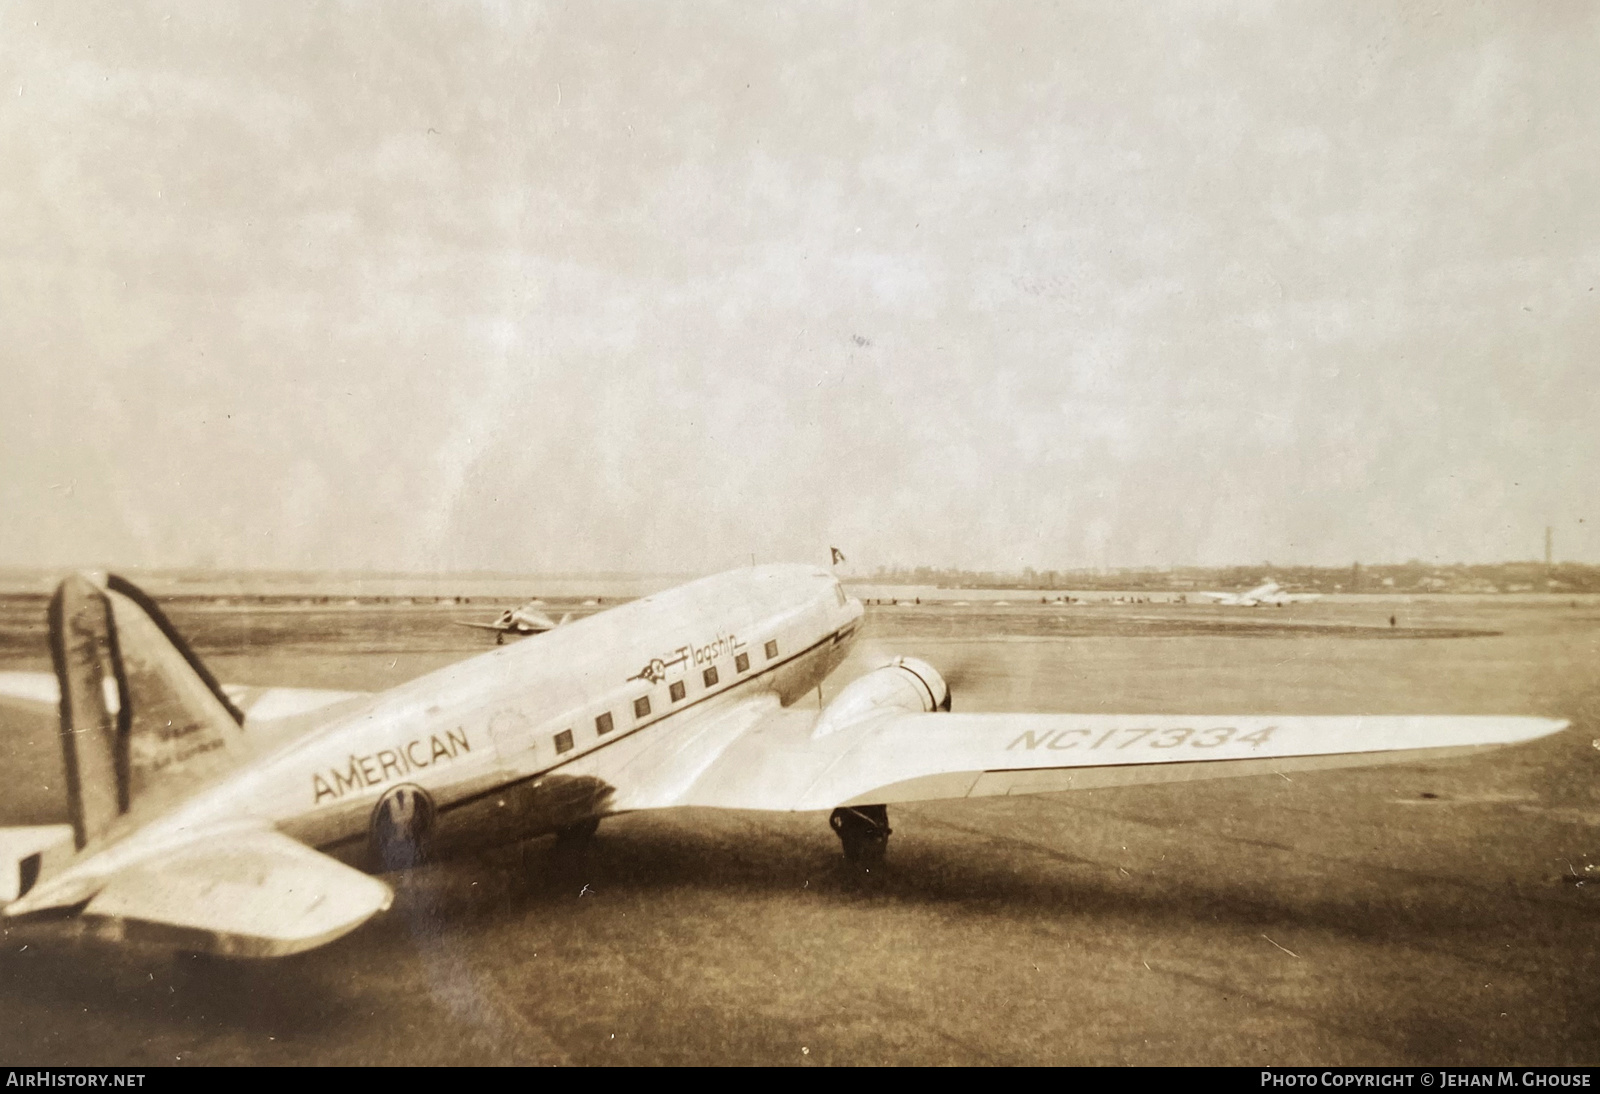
140 715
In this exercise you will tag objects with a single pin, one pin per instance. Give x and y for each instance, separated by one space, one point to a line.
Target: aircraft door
514 737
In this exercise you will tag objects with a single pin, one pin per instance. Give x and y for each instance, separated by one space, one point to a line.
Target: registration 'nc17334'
1059 740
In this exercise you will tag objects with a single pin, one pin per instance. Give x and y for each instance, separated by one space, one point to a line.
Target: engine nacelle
903 686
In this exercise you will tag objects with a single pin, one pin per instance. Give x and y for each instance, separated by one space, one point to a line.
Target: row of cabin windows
641 706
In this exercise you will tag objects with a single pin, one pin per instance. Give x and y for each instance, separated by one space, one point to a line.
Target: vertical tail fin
138 710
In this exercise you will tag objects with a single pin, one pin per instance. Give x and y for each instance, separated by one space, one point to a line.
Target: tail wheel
402 828
863 831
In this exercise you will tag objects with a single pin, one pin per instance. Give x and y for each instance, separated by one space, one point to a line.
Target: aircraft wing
529 623
750 759
241 893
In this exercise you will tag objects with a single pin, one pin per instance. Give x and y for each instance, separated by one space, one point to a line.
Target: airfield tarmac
1421 914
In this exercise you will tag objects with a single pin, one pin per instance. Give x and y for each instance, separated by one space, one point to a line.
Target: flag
838 555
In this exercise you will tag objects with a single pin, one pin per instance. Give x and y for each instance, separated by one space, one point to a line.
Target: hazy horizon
456 288
845 572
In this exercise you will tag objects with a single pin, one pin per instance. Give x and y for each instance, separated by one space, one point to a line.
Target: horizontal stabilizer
38 688
27 854
267 704
257 704
251 894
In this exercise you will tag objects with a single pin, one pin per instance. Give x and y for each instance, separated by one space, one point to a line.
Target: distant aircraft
1269 593
227 821
528 619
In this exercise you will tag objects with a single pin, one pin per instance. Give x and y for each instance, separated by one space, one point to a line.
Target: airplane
528 619
249 821
1268 592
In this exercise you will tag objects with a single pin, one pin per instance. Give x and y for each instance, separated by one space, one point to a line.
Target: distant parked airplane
1269 592
528 619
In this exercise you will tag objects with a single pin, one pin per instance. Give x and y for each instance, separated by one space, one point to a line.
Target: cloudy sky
652 286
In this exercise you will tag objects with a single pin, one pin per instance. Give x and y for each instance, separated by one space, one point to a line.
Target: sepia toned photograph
787 534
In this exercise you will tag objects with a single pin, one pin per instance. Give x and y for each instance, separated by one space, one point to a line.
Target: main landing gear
864 831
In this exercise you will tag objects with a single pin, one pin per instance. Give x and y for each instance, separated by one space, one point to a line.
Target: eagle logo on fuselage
655 672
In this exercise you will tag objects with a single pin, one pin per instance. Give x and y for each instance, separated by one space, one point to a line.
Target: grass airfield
1421 914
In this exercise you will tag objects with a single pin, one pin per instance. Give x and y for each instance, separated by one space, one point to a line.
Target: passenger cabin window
641 707
676 690
564 741
772 649
602 724
711 676
742 662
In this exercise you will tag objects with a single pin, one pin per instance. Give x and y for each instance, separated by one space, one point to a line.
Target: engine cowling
905 685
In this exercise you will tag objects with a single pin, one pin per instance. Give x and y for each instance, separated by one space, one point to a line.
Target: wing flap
252 894
669 769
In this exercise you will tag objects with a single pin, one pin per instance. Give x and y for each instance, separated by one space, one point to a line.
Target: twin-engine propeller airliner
1268 592
530 618
227 820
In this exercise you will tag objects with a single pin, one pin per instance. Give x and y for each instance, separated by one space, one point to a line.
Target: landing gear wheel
864 832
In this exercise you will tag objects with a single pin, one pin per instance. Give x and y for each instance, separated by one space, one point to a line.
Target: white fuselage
1270 594
518 741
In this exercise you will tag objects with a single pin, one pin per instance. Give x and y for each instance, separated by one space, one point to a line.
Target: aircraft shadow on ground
1020 884
463 905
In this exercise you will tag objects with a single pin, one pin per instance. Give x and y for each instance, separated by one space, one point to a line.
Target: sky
664 287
